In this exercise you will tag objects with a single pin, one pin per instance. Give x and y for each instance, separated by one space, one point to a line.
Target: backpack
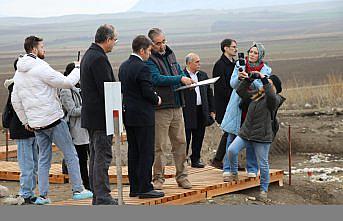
66 114
275 121
7 114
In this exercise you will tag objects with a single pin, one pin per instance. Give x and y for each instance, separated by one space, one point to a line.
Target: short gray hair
189 57
105 32
154 32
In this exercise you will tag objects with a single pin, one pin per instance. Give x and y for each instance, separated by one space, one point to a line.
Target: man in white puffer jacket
36 103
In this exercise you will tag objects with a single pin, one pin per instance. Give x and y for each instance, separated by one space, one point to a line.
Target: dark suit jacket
223 68
190 109
139 97
17 129
95 70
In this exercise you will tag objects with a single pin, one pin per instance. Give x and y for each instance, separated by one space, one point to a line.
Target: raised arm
162 80
57 79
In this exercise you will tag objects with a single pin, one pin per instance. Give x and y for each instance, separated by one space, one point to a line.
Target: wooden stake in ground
7 138
114 125
117 145
289 156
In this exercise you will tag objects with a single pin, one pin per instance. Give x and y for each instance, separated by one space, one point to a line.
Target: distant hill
182 5
211 25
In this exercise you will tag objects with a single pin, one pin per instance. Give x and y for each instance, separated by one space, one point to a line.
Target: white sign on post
113 101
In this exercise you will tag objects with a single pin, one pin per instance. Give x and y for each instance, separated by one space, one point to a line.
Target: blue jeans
60 135
28 163
251 162
261 152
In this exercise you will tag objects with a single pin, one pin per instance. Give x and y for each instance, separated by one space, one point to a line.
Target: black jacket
16 128
223 68
95 70
190 109
138 94
257 126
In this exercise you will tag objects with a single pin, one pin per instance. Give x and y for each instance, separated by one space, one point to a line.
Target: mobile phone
241 59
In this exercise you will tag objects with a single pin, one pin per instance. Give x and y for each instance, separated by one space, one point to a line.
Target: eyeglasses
116 41
234 47
160 43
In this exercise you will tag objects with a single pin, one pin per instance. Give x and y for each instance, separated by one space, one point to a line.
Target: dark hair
141 41
15 63
104 32
154 32
69 69
226 43
277 83
31 42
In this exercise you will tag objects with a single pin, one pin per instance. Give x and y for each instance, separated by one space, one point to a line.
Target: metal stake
289 156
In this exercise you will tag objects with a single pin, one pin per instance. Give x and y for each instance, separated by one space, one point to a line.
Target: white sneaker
85 194
251 175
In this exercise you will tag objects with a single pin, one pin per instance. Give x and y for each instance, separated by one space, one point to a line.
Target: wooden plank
10 171
12 151
206 184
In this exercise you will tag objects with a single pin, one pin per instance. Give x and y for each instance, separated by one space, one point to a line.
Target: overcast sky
47 8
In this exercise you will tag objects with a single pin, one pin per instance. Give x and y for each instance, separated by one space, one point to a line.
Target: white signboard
113 102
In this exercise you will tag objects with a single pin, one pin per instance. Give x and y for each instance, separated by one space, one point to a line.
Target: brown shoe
158 184
184 183
229 177
262 197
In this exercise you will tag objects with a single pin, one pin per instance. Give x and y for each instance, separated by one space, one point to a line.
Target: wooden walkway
206 184
10 171
12 151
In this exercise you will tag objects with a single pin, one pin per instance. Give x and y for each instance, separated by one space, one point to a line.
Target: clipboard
200 83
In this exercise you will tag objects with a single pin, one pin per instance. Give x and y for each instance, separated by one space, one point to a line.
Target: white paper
204 82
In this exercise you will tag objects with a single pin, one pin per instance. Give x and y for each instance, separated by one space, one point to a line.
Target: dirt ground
317 162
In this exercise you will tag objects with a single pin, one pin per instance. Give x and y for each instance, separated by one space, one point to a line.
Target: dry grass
319 96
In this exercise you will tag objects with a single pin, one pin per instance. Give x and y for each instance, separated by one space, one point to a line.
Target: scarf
249 67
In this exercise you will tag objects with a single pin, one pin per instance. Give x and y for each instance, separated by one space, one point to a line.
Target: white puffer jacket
34 96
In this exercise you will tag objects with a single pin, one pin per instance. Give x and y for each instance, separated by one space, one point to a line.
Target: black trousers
197 137
100 147
221 150
141 143
82 153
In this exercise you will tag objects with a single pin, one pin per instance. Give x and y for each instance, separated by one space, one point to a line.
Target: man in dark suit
139 99
199 109
95 70
223 68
